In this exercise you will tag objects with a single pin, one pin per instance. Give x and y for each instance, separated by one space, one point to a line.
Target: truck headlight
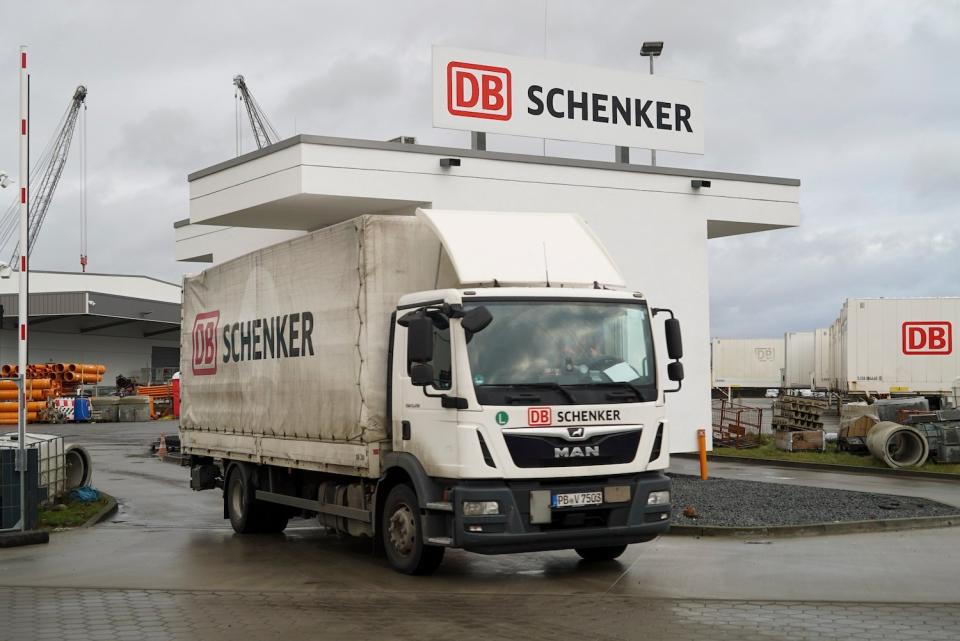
661 497
480 508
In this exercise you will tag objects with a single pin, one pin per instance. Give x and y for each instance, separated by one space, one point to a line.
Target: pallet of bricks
50 390
797 425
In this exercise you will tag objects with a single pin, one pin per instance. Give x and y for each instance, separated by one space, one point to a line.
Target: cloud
855 99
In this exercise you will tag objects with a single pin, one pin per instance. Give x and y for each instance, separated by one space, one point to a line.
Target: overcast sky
859 100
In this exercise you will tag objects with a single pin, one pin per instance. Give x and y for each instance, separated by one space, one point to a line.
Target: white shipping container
885 345
822 359
746 362
798 348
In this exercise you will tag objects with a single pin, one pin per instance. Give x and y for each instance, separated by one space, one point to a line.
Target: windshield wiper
544 385
555 386
630 387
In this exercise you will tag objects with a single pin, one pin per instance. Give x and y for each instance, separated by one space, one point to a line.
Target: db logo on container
539 416
927 337
205 343
479 91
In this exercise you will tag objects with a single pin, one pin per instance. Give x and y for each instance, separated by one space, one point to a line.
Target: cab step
440 506
445 541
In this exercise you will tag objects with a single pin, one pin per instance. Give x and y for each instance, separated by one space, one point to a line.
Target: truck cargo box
288 345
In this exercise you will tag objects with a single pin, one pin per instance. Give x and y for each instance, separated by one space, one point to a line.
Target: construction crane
45 175
263 132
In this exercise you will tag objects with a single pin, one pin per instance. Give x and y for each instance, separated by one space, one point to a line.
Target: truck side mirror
674 343
419 339
476 319
421 374
675 371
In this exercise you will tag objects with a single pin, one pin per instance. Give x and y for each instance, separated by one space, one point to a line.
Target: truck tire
401 532
607 553
248 515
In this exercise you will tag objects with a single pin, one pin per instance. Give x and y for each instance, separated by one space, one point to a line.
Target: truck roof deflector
522 248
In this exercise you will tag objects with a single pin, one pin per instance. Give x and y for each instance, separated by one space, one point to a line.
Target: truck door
422 426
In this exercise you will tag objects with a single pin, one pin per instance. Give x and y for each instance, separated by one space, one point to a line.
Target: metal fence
736 425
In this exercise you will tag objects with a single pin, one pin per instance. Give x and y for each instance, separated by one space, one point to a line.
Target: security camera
5 270
4 179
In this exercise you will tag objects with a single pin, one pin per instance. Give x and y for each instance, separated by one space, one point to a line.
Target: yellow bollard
702 444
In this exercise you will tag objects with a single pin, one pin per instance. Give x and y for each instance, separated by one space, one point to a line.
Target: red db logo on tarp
539 416
927 337
479 91
204 357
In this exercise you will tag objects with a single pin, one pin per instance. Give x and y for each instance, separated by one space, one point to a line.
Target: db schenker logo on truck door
204 353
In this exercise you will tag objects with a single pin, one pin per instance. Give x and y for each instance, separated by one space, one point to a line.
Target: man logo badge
572 452
575 432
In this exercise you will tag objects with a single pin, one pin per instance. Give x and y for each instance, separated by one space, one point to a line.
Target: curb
818 529
17 539
829 467
105 512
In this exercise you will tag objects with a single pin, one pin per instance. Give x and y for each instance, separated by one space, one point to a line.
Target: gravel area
739 503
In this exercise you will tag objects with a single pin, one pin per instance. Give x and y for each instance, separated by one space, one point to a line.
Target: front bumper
609 524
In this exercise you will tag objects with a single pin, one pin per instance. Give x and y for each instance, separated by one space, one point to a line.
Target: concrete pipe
898 445
79 467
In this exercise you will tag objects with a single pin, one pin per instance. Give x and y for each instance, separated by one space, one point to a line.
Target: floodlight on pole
651 49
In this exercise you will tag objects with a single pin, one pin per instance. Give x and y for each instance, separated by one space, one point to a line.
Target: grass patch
832 456
75 515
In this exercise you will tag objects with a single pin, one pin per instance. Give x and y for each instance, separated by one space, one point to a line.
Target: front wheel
607 553
402 534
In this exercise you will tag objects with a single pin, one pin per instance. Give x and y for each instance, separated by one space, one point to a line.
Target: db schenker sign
498 93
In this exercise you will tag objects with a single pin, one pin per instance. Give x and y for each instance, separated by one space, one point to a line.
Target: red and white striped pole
24 282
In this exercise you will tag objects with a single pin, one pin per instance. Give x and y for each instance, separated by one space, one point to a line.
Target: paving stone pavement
62 614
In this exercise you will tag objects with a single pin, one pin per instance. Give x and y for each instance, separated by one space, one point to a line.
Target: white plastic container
52 466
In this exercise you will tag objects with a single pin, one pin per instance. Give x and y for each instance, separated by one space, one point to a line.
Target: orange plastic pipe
33 395
32 383
77 377
11 407
86 368
11 419
702 445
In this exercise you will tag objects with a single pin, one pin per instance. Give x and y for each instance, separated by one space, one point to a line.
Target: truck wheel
608 553
248 515
402 534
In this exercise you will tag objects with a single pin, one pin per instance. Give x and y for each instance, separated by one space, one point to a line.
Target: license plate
576 499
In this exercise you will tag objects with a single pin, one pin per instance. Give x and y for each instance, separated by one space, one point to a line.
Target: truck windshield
564 353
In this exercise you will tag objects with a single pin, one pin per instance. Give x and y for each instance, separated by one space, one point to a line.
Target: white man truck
474 380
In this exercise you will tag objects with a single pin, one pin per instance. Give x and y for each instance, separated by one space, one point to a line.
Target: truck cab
533 417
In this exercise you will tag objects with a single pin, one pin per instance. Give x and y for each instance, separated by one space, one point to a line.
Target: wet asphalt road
168 566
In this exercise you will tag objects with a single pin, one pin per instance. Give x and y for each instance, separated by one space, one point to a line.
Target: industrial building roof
108 304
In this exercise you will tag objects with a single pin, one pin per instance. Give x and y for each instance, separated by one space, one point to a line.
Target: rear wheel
248 515
402 534
607 553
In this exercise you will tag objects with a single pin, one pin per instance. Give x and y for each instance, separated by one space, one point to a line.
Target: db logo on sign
928 337
539 416
479 91
205 343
